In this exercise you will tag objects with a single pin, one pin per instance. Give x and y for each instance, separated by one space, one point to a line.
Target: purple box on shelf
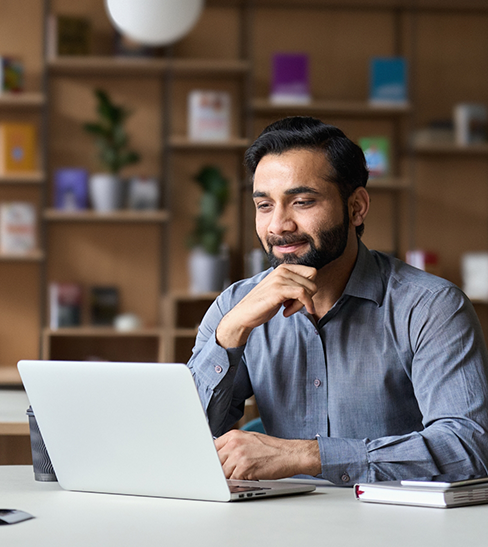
290 79
71 188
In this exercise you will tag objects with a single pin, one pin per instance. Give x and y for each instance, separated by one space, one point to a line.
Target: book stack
18 228
18 144
441 491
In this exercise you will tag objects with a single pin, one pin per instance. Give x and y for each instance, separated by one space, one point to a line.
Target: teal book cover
388 81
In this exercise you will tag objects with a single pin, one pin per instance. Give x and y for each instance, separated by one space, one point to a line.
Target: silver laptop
132 428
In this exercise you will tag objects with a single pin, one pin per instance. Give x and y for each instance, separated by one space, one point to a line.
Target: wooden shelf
107 66
34 256
102 332
22 100
37 177
339 108
126 66
183 143
388 183
56 215
209 67
9 376
452 149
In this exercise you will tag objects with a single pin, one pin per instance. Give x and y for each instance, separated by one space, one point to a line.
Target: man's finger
303 271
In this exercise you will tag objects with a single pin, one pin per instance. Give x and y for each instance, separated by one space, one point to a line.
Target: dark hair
303 132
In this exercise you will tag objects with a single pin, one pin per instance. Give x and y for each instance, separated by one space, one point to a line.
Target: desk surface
329 516
13 407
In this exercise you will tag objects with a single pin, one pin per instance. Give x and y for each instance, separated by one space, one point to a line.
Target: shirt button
218 369
316 331
317 382
345 477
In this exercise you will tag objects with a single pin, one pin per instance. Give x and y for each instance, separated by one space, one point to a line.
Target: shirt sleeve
220 374
449 375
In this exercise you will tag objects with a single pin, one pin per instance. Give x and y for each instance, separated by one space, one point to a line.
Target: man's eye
262 206
304 202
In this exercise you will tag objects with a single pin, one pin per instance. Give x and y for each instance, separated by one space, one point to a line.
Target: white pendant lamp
154 22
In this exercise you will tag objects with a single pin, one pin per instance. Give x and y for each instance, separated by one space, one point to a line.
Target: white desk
330 516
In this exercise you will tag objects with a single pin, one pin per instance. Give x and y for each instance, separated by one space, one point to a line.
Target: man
363 368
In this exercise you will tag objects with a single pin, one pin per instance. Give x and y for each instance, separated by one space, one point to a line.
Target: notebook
132 428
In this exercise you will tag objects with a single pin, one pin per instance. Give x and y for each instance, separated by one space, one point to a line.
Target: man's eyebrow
290 192
301 190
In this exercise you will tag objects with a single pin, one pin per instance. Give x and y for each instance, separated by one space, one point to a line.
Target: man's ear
358 206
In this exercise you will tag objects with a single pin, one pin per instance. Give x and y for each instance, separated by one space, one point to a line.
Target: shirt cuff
216 365
344 461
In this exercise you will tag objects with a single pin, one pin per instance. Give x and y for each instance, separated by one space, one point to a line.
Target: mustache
287 239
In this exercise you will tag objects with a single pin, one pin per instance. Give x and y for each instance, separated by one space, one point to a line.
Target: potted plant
208 264
112 141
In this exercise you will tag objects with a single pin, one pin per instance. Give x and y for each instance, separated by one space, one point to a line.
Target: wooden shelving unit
337 108
230 49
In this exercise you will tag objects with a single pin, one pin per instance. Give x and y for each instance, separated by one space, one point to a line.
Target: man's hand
253 456
290 285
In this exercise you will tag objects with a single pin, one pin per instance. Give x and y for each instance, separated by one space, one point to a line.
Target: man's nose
282 221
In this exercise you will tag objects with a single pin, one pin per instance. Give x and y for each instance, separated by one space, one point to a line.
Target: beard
331 245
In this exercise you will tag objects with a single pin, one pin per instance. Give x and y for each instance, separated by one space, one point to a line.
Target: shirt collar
366 279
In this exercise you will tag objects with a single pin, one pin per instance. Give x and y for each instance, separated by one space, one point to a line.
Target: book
71 188
377 154
18 228
388 81
11 75
470 123
68 35
18 144
65 301
440 491
209 115
474 273
290 82
104 305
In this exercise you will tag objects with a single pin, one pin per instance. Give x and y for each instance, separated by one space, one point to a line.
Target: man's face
300 216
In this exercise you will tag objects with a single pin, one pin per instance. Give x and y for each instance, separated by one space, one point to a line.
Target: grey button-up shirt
392 381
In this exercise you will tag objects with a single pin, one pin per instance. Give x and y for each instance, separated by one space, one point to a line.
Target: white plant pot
106 192
207 272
